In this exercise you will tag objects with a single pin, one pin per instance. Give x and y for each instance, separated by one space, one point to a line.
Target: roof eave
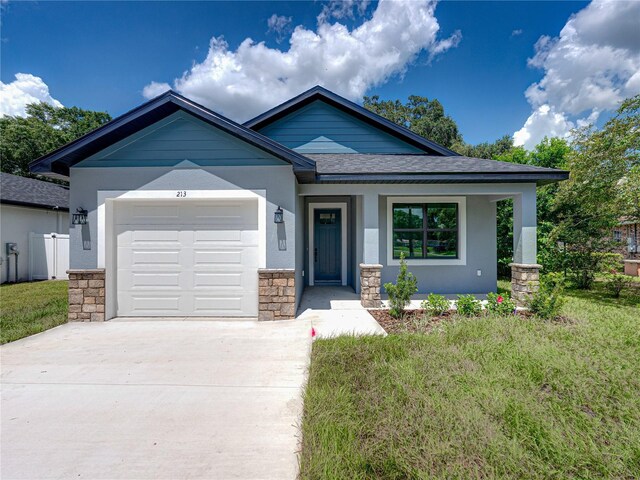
539 179
33 205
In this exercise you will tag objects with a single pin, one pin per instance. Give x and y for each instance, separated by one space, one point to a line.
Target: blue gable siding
321 128
177 138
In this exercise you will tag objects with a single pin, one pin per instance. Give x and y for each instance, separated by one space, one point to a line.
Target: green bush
436 304
548 300
616 282
469 306
583 266
400 293
500 304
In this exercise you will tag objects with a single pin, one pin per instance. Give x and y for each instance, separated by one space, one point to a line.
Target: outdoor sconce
278 216
80 217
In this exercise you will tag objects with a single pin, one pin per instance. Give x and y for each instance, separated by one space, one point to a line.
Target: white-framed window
428 230
617 235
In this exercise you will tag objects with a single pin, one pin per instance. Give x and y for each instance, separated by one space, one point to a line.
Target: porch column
524 269
370 268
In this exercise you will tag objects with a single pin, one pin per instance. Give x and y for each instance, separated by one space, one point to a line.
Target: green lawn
481 398
28 308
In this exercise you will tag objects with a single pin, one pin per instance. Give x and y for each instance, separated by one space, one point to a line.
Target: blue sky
102 55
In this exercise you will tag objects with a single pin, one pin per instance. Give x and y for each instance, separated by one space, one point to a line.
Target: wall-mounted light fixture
278 216
80 217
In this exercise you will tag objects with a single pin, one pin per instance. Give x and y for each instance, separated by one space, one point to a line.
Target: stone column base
277 290
370 285
86 295
525 280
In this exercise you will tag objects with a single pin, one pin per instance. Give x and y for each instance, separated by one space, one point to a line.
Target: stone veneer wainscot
525 280
86 295
277 294
370 285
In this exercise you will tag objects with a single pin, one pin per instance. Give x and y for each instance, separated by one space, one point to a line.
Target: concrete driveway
154 400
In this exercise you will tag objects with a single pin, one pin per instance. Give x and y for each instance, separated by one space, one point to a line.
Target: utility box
12 248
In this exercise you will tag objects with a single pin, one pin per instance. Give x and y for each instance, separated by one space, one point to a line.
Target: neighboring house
30 211
192 214
627 238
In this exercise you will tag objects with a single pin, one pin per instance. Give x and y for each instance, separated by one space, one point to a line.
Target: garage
187 258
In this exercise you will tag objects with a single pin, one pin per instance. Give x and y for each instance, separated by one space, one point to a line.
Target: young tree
420 115
44 129
588 206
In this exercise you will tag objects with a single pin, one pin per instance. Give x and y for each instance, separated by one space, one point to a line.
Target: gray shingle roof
363 164
30 192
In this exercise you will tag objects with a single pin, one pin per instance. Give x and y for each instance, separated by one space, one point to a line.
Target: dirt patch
411 321
414 321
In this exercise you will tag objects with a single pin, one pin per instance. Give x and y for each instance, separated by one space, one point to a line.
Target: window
425 230
617 235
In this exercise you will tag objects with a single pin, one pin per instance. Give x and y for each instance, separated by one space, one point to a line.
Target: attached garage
181 258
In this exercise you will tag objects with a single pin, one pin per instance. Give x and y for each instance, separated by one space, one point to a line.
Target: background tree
44 129
420 115
595 198
487 150
549 153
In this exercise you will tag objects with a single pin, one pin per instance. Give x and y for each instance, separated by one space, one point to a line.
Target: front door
327 254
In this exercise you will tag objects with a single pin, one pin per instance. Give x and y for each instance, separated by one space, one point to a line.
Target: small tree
547 302
400 293
598 193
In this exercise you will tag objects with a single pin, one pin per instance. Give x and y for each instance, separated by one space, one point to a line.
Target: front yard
28 308
481 398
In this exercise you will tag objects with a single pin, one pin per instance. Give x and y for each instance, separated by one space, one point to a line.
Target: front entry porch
357 232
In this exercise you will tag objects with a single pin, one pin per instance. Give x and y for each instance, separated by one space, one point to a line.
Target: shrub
500 304
616 282
469 306
548 300
435 304
400 293
583 266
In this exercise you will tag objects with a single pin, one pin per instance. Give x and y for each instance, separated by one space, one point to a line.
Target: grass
481 398
28 308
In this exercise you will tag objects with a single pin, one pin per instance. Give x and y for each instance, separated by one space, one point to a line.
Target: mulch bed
411 321
418 321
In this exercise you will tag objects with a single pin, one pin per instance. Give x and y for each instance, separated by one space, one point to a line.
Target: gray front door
327 235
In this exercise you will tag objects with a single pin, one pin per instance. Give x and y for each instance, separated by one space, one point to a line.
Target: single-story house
626 236
192 214
34 228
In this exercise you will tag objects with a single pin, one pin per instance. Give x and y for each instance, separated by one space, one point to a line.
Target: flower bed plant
500 304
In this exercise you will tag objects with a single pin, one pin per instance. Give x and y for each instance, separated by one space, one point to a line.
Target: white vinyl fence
48 256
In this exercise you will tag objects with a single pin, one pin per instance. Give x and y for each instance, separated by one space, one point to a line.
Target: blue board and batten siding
321 128
177 138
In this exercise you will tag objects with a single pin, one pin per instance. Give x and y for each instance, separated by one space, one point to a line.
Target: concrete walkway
334 311
154 400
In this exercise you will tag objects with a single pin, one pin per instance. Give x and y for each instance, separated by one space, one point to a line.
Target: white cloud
154 89
246 81
280 25
516 32
589 68
25 89
544 121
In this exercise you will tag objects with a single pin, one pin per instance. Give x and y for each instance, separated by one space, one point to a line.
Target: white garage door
187 258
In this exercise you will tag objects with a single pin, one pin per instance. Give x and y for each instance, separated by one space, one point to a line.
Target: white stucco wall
16 223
